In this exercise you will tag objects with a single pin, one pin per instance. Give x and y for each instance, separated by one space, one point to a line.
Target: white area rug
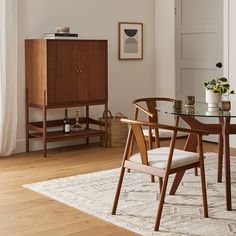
182 215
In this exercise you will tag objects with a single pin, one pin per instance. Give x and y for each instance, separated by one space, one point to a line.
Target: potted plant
215 88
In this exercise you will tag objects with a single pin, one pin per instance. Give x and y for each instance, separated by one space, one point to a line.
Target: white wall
165 48
165 52
232 45
91 19
232 59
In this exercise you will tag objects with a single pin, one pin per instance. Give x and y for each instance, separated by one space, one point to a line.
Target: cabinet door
76 71
62 74
92 67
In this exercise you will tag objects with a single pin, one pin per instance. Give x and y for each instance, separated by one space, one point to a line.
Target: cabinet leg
106 126
27 137
44 127
26 121
44 148
27 142
87 122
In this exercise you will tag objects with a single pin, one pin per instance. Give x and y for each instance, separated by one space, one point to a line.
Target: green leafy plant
219 85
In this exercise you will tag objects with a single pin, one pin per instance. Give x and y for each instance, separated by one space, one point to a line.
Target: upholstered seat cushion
158 157
163 133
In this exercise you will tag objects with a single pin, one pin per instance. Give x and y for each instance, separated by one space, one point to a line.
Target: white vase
212 111
212 99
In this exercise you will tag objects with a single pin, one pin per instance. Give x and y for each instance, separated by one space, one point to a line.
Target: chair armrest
143 110
163 126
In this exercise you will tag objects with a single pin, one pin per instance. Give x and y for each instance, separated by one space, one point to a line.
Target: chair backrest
148 106
136 132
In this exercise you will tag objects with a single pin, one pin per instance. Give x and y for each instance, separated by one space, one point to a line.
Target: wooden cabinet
64 73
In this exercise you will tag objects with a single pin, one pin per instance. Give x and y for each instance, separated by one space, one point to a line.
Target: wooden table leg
220 159
177 180
225 133
191 145
223 129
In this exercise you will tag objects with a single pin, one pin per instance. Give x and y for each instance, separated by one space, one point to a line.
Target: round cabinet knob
78 71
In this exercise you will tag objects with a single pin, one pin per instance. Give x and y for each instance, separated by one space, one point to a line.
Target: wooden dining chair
148 106
152 135
161 162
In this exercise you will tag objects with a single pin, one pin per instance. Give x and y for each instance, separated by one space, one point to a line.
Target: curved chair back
148 106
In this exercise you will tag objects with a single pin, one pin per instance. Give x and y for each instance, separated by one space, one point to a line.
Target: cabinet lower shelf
53 136
51 130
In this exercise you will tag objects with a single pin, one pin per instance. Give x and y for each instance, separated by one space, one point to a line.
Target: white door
199 45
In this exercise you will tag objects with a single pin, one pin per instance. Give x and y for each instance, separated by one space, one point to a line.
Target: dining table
213 121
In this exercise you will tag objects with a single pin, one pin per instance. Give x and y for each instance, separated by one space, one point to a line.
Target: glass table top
198 110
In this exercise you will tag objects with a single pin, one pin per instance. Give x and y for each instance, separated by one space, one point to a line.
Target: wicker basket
117 131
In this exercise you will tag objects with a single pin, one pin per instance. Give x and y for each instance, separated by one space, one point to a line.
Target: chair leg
160 183
220 159
152 178
131 149
204 193
195 171
122 172
150 144
150 147
161 202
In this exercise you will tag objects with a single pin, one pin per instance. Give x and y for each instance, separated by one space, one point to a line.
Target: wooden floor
24 212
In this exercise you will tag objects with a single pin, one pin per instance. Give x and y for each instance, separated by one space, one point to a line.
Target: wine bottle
66 123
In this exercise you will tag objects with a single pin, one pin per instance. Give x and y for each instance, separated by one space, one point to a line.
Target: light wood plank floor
24 212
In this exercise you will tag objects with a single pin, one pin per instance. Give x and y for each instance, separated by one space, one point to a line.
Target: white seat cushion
158 157
163 133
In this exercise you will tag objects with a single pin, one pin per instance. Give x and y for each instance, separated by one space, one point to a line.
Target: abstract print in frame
130 41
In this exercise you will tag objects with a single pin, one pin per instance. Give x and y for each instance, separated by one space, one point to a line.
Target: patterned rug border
79 203
87 210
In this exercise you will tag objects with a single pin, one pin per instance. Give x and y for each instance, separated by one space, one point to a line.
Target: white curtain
8 76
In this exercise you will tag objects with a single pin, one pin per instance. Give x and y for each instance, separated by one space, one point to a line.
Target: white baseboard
20 146
37 144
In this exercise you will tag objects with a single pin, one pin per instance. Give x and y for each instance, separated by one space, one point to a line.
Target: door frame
226 37
226 24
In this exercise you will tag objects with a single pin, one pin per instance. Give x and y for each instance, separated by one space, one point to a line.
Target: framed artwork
130 41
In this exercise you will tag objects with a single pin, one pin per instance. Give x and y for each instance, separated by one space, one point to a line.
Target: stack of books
60 36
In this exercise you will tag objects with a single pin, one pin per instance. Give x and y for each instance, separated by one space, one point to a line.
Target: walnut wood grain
223 129
70 71
65 73
35 70
135 132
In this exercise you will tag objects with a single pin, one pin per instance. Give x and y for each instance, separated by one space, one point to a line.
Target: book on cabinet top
60 36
